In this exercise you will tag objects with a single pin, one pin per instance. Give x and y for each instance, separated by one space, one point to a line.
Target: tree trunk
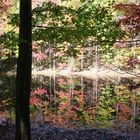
23 77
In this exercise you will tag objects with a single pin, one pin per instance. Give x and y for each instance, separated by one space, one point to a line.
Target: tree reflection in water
78 101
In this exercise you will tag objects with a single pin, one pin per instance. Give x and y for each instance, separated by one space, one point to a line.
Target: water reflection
74 101
78 101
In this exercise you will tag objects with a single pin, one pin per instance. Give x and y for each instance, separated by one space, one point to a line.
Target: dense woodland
77 37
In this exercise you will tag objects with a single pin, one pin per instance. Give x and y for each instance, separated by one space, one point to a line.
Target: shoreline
91 74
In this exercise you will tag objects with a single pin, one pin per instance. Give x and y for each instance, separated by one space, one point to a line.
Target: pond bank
48 132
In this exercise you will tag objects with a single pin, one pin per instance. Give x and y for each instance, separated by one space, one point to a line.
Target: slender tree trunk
23 78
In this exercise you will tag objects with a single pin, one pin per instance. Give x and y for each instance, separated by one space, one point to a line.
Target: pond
79 102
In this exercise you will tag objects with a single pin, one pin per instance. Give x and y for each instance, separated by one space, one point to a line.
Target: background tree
4 4
129 17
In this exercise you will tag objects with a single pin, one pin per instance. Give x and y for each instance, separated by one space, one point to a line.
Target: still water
80 102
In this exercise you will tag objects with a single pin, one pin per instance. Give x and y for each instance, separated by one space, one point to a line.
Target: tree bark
23 77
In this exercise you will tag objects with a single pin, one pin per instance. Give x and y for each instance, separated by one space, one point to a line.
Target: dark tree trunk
23 78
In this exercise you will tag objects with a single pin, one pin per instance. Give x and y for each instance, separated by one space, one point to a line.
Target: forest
69 69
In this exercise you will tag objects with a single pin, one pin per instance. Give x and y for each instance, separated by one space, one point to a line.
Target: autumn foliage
130 18
4 4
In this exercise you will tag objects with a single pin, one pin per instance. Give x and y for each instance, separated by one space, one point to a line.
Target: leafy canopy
76 26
